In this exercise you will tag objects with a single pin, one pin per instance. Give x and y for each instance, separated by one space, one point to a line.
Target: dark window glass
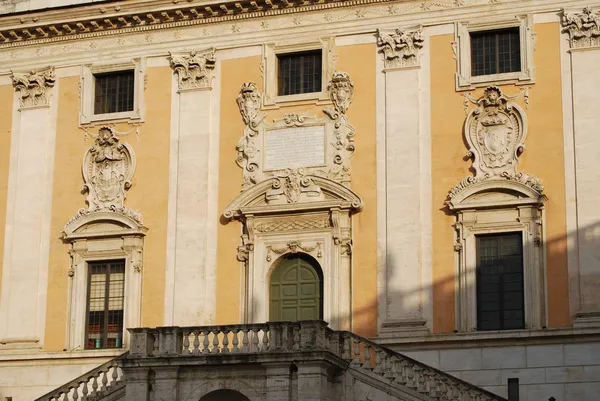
114 92
104 326
495 52
299 73
513 389
500 302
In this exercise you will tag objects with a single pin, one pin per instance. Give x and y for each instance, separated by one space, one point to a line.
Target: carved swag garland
293 182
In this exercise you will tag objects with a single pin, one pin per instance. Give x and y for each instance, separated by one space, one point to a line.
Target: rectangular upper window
500 295
299 73
495 52
114 92
105 301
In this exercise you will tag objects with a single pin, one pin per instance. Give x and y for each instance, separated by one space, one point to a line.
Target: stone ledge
28 355
491 339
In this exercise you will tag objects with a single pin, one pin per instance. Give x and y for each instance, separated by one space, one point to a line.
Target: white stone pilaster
586 119
191 265
405 242
29 205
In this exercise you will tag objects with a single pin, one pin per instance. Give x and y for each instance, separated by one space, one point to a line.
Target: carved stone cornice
193 70
400 48
583 28
34 87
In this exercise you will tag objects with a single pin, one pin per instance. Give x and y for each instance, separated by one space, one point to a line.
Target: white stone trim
526 219
84 251
271 99
464 79
87 115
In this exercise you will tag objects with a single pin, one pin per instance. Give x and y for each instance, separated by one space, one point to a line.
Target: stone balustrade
93 385
282 337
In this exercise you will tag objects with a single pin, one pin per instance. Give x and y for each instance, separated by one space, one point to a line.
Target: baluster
115 375
155 345
66 394
215 348
296 345
245 342
265 340
404 369
186 342
255 340
75 395
205 342
378 369
236 341
94 386
387 366
84 390
419 379
104 380
346 347
225 348
356 359
59 394
367 359
196 349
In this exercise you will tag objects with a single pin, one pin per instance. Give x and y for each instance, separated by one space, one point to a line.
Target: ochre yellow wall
148 194
362 116
234 73
6 104
543 157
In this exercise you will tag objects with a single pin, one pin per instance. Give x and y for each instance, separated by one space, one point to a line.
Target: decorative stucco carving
583 28
291 184
495 132
400 48
341 91
284 225
193 70
339 141
34 87
294 247
108 167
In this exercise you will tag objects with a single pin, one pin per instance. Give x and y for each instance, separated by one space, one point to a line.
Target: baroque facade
299 200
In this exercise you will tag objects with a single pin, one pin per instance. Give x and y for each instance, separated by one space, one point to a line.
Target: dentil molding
34 87
583 28
400 48
193 70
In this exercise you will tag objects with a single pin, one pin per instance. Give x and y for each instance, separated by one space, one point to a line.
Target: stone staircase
367 364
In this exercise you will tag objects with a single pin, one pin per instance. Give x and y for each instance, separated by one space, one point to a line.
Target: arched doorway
296 290
224 395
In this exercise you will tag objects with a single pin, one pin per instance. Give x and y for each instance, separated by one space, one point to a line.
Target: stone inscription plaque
294 147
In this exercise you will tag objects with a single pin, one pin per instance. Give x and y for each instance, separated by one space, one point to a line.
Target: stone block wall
563 371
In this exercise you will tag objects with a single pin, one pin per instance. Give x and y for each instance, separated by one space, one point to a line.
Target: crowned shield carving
495 132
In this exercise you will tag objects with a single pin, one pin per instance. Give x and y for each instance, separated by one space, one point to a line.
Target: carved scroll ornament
339 136
495 132
292 183
583 28
193 70
294 247
108 167
34 87
400 48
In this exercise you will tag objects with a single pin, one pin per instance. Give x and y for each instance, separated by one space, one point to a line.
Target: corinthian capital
400 48
34 87
583 28
193 70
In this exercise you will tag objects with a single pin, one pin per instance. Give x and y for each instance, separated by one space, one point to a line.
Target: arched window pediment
493 194
102 224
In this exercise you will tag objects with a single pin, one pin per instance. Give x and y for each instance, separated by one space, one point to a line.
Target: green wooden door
296 290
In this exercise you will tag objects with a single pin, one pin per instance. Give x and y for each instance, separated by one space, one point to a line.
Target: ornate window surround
498 199
96 237
464 80
271 100
87 116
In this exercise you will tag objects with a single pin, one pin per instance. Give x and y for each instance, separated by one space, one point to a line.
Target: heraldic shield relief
495 131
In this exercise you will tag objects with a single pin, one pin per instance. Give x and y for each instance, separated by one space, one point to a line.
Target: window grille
105 301
495 52
114 92
500 296
299 73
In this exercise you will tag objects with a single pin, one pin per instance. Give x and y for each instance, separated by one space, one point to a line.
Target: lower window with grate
500 294
114 92
495 52
299 73
106 283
